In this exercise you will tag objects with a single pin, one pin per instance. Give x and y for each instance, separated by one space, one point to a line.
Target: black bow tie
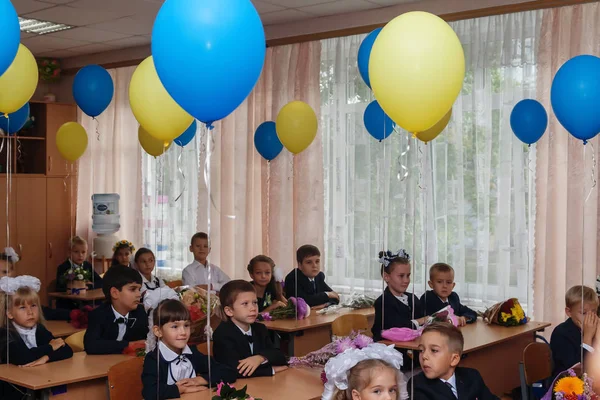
445 303
180 359
121 320
249 337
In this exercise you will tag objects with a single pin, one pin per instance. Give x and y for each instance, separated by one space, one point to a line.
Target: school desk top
479 335
89 295
61 329
80 368
293 383
314 320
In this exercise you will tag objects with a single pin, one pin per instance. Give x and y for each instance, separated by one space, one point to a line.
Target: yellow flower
504 316
517 311
569 385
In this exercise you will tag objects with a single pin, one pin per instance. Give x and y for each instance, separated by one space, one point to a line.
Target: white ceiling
105 25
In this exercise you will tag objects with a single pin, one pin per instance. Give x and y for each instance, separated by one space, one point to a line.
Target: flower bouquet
296 308
569 386
135 349
77 277
229 392
446 314
79 318
196 300
360 301
505 313
49 69
319 358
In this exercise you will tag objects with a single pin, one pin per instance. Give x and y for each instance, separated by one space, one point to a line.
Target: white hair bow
11 285
12 254
388 256
336 369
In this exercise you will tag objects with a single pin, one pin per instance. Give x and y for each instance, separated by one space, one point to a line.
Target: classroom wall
62 90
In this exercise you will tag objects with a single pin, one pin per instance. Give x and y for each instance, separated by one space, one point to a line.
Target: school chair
345 324
75 341
535 368
125 380
203 348
174 284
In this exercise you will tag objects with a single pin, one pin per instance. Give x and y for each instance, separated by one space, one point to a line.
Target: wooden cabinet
60 222
12 226
56 115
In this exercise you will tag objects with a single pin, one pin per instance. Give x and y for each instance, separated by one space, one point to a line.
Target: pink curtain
256 207
566 250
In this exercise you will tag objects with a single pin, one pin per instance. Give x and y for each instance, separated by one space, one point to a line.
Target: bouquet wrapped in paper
296 308
569 386
319 358
196 300
446 314
359 301
505 313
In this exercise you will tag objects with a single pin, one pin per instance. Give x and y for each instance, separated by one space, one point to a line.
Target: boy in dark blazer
440 349
565 342
310 284
240 342
121 319
441 280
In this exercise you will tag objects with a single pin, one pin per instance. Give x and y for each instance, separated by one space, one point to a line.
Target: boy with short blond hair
581 306
196 274
441 280
440 350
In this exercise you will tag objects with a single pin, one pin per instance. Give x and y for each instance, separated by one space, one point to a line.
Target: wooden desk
84 375
61 329
89 295
495 351
294 383
314 332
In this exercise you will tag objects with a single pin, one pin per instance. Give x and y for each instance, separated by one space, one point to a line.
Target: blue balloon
10 33
378 124
187 136
364 53
208 54
15 121
93 89
528 120
266 141
575 96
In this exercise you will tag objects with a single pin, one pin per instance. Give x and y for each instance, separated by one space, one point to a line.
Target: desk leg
310 340
498 363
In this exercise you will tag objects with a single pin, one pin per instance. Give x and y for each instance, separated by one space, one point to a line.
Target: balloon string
211 147
268 204
180 172
66 177
2 143
19 150
97 128
421 166
207 176
593 171
400 177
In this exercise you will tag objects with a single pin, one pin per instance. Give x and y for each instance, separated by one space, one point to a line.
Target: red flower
196 313
44 63
323 377
135 349
571 396
79 318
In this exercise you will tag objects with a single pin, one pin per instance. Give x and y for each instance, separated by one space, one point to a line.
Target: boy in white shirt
196 274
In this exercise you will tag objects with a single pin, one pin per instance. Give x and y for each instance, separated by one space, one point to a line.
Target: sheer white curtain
112 163
470 187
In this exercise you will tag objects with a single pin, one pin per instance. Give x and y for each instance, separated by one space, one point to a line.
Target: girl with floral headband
396 308
122 251
8 259
23 338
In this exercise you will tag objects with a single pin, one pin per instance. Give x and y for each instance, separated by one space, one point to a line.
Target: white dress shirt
154 283
180 366
122 326
197 274
249 333
404 300
452 383
27 334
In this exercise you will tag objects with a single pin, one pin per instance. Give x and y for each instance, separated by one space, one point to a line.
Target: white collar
168 354
442 300
451 381
403 299
199 264
117 315
153 279
25 331
248 333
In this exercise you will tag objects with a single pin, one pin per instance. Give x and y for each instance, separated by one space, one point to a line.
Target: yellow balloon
18 82
152 145
71 140
152 105
296 126
416 67
433 132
